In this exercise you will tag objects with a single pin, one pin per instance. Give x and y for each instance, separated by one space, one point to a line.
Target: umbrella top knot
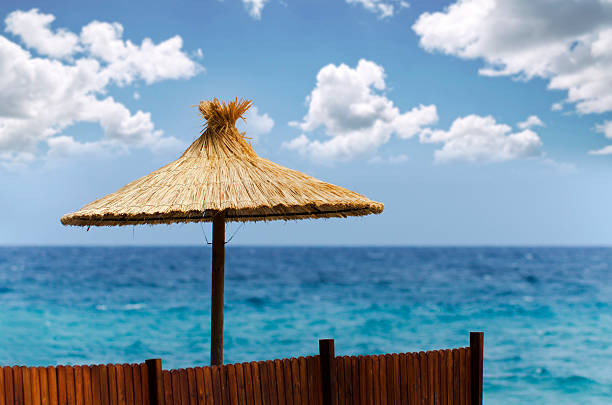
222 115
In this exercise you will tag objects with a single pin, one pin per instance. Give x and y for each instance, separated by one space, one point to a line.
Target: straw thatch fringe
220 171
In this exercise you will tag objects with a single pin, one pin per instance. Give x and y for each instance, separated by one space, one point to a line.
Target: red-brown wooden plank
225 389
208 386
216 380
184 386
424 378
355 383
167 378
27 387
17 385
128 377
87 393
375 380
348 380
396 379
248 384
468 375
232 384
272 391
288 380
462 374
403 376
70 386
35 384
199 381
412 372
340 381
258 384
362 377
456 374
144 380
8 386
296 389
312 365
442 373
120 383
44 385
436 379
241 384
390 379
111 371
192 388
137 384
104 385
61 385
449 377
280 381
303 393
95 385
78 385
176 387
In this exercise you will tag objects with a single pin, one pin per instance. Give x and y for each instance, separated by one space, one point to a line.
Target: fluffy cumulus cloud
384 8
356 115
568 43
58 78
531 121
257 124
606 129
254 7
481 139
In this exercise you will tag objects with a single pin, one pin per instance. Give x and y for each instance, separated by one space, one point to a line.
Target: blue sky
422 106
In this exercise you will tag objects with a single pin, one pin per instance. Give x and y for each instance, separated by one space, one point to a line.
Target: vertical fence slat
258 383
192 387
137 384
78 385
87 393
390 379
95 385
70 386
104 386
265 383
449 377
215 375
144 380
17 385
271 369
462 379
361 366
27 385
288 379
225 390
328 372
340 381
8 386
442 373
208 385
232 385
396 378
376 392
249 398
176 387
241 383
120 382
199 381
303 381
44 385
476 367
403 377
61 385
184 386
129 384
312 365
167 379
280 381
112 384
2 388
348 380
35 384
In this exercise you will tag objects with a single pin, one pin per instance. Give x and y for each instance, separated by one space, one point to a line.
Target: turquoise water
546 312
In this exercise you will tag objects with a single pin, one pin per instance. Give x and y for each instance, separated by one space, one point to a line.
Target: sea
546 313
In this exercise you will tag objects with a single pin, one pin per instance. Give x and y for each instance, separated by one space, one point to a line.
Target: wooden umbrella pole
218 278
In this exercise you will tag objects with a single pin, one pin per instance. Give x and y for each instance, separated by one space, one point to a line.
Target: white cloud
40 97
481 139
557 107
257 124
33 29
384 8
606 129
255 7
531 121
567 42
357 117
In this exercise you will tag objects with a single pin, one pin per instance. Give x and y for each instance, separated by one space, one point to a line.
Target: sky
476 122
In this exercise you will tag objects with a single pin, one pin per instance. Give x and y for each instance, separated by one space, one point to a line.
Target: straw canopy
219 172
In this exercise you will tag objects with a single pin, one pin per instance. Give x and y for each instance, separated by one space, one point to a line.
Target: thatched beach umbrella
221 179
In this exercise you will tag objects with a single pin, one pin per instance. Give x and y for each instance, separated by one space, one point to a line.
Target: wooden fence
440 377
